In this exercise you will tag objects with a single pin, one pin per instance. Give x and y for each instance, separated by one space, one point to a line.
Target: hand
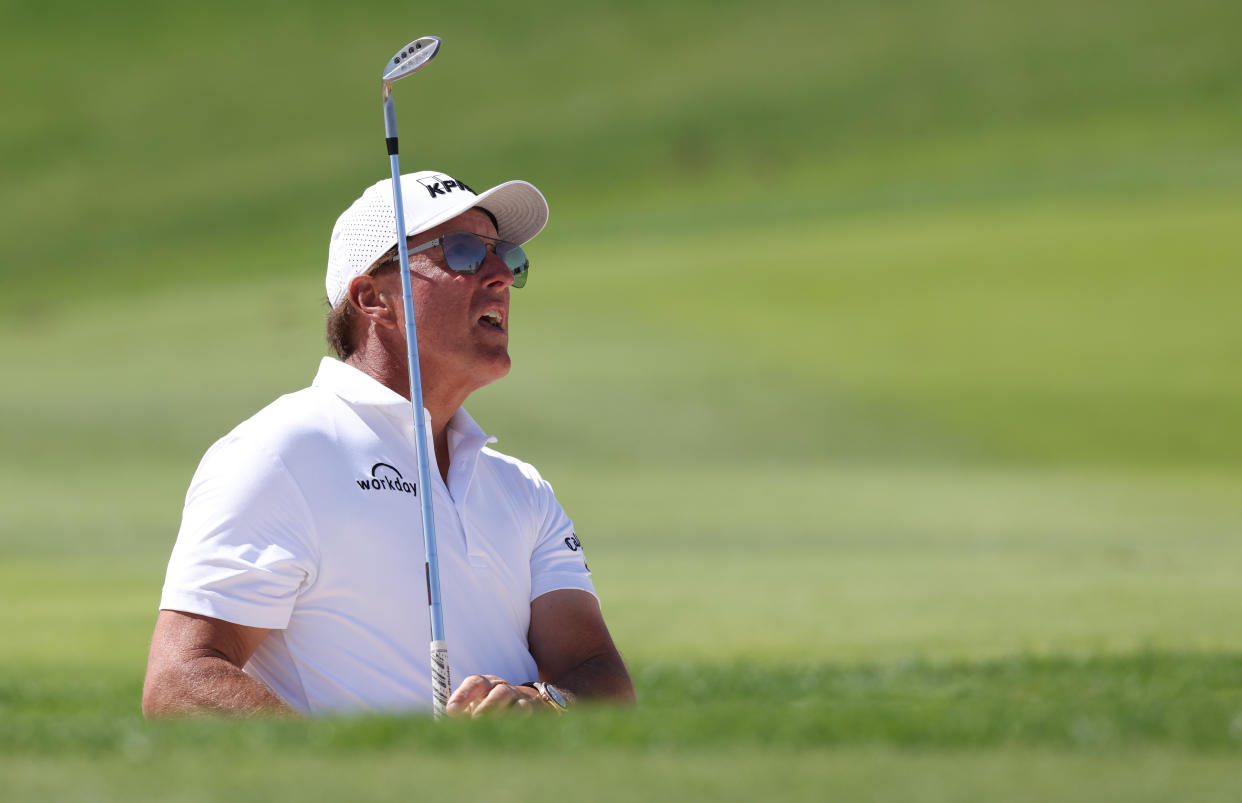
484 695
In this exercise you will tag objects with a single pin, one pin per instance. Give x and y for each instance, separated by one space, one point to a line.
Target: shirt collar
465 433
357 387
354 386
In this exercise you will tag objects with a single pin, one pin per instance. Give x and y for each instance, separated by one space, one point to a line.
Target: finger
528 705
469 694
507 698
501 698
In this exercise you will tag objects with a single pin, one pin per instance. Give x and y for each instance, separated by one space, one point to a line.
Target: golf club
407 61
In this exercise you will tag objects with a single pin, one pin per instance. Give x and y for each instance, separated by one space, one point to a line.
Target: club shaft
441 684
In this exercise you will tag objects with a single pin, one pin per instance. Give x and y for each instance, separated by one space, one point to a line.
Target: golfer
297 580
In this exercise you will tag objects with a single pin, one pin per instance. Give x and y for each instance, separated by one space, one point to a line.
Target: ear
374 301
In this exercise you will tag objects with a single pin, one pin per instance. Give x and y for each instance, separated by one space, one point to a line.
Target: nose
494 272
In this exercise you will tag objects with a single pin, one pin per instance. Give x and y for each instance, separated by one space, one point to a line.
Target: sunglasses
465 252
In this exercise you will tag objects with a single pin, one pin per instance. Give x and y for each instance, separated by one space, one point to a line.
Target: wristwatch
551 695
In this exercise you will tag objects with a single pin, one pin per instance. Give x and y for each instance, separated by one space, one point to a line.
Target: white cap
368 227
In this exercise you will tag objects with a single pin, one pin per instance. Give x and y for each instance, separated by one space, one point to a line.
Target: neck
439 400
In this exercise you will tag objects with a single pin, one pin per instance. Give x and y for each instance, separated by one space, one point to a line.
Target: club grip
441 683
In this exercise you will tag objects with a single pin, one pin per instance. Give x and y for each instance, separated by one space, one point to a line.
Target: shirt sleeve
558 560
245 548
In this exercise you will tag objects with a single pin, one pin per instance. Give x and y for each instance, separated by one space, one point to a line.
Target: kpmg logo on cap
443 185
386 478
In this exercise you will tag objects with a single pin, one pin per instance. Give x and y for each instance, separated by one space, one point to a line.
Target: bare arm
573 650
195 667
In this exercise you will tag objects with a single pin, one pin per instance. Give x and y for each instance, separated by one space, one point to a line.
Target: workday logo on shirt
387 478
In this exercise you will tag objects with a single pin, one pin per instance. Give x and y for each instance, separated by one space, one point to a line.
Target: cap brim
519 207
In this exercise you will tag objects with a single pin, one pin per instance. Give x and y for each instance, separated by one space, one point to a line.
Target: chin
503 368
497 367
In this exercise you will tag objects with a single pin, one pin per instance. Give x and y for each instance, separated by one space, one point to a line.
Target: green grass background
885 353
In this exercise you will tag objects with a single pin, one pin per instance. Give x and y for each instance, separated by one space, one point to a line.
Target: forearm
573 649
207 684
602 678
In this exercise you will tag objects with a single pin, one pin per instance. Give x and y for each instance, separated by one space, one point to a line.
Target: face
463 319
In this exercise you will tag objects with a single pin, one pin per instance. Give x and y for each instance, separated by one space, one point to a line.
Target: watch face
554 694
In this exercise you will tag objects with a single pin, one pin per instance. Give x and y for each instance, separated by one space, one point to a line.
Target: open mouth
493 320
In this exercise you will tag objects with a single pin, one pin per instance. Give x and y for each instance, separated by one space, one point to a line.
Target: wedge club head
410 59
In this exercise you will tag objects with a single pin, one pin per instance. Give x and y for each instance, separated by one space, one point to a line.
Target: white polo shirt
305 520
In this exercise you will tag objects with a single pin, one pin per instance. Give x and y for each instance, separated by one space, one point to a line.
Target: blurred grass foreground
886 355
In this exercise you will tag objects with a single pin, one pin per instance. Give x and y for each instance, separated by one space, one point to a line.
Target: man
297 580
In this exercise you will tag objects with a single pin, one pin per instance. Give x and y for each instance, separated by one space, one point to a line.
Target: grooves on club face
411 58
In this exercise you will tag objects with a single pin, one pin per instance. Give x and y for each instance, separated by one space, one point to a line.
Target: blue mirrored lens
515 258
464 253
